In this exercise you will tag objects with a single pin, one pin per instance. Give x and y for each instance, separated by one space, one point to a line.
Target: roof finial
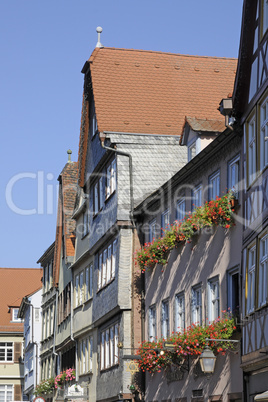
69 152
99 30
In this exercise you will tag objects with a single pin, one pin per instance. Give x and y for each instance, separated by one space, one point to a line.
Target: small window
233 175
98 198
213 299
85 223
111 179
152 230
191 151
94 124
165 221
15 318
165 319
197 305
251 279
264 134
6 351
152 324
180 212
251 150
180 312
89 281
263 270
197 197
107 264
109 347
214 185
233 291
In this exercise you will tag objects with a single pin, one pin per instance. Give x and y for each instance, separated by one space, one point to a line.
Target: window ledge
106 284
109 196
88 373
109 368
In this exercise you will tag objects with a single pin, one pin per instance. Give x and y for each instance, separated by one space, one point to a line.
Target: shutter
17 352
17 392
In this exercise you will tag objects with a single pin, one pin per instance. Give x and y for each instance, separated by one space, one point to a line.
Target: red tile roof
15 283
151 92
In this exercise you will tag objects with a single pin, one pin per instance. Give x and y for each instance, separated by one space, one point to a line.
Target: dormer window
191 151
15 318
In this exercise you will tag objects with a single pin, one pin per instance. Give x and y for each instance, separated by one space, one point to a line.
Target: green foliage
217 212
190 342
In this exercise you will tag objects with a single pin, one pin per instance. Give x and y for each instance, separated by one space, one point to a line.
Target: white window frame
192 150
94 123
197 305
264 134
15 312
165 221
7 352
107 264
98 199
263 271
152 230
233 175
7 391
76 290
109 347
213 289
251 150
251 269
165 330
111 178
89 282
214 185
81 287
179 310
181 209
197 197
152 323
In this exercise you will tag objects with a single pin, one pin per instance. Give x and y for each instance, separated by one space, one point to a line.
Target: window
152 324
15 318
165 318
76 290
191 151
251 279
36 314
152 230
111 179
88 284
197 197
251 150
85 223
180 212
264 16
213 299
197 305
98 199
94 123
109 347
214 186
6 393
165 221
233 291
264 134
81 287
263 268
6 351
233 175
179 312
107 264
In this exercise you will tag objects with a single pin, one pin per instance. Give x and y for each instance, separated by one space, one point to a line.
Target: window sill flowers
48 386
190 342
218 212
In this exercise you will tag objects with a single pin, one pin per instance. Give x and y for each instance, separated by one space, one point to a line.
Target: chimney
99 31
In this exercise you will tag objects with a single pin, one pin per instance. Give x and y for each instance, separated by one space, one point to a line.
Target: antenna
99 31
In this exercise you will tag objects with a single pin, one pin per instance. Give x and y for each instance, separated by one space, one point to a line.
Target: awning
262 397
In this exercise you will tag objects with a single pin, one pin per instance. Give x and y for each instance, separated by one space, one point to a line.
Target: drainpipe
102 138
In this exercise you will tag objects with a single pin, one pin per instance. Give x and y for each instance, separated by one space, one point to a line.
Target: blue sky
44 45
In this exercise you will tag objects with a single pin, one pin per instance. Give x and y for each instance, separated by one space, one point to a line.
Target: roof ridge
167 53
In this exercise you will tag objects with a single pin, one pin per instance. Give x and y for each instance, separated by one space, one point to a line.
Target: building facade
30 313
250 109
15 282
